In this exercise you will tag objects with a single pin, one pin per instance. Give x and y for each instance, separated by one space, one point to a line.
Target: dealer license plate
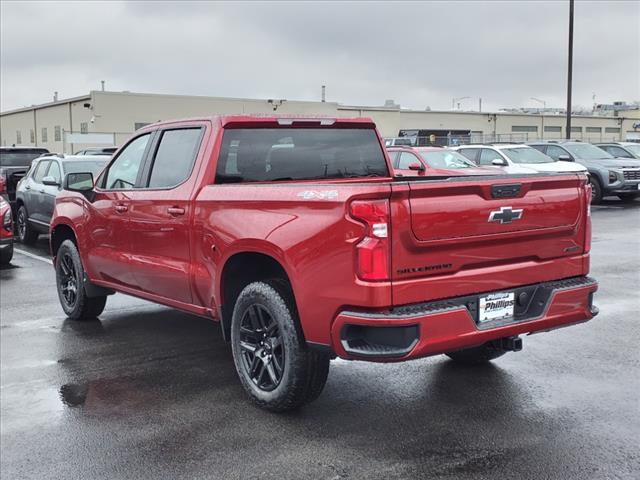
496 306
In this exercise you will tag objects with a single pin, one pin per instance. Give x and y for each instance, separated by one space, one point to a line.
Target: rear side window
174 157
280 154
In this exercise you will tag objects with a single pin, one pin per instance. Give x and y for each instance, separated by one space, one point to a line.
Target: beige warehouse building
108 118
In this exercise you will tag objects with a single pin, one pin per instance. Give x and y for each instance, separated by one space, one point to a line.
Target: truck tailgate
462 236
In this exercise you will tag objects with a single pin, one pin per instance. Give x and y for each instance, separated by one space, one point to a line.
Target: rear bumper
6 243
431 328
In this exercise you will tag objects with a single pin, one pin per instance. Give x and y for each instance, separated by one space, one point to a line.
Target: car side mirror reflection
49 180
78 182
565 158
500 162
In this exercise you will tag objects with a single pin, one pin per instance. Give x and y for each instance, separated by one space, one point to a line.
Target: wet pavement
149 392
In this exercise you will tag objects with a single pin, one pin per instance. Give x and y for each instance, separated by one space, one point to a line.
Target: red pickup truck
293 234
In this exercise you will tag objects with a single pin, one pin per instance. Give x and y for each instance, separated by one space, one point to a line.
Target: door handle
27 187
41 191
121 208
175 211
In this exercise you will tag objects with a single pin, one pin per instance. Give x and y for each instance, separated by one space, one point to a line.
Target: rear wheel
477 355
275 367
628 197
6 255
70 280
26 233
596 191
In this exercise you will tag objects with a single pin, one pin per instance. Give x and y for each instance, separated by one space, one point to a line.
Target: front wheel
275 366
6 255
70 281
596 191
26 233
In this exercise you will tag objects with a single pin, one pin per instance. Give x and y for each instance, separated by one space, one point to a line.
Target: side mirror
78 182
417 166
565 158
499 162
49 180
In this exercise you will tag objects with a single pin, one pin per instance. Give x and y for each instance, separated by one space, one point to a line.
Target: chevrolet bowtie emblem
505 215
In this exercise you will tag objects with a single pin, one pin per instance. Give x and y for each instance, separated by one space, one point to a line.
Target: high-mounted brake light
373 251
322 121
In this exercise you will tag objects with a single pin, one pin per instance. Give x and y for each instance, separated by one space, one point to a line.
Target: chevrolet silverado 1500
293 234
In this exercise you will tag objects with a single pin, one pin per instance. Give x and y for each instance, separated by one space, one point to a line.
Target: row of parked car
30 180
613 168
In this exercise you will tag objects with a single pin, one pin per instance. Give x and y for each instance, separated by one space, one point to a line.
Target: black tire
70 279
628 197
596 191
26 233
6 255
476 355
265 328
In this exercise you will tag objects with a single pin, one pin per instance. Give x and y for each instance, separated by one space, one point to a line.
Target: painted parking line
33 255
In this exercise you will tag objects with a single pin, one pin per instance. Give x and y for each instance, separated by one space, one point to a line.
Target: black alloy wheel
68 280
21 224
263 353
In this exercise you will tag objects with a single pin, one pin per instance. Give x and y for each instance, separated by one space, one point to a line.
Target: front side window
470 153
123 172
487 156
555 152
618 152
526 155
283 154
634 149
40 171
406 159
54 171
174 157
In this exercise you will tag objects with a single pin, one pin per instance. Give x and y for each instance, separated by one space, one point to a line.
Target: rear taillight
3 183
7 220
587 230
372 252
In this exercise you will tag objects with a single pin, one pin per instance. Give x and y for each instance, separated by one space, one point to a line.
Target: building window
84 127
524 128
594 129
139 125
551 128
32 136
611 130
44 134
57 133
18 137
576 129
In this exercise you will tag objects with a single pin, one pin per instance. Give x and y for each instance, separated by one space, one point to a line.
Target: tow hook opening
509 344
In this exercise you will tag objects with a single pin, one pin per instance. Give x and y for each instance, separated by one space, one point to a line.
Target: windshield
587 151
19 158
280 154
93 166
635 149
526 155
446 159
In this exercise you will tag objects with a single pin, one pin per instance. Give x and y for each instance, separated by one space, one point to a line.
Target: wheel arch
240 269
60 233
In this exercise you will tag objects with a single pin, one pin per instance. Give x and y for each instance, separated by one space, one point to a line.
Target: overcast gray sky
419 54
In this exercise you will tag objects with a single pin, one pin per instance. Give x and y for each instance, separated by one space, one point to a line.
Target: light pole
544 107
454 100
569 71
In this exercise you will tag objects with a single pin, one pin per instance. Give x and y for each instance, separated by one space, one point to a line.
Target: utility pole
569 71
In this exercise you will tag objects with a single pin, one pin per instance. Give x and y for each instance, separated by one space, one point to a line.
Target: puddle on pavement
104 397
73 395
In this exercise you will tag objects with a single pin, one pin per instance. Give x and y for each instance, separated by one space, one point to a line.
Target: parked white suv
516 157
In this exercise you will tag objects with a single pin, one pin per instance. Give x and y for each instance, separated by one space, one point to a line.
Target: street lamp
454 100
544 107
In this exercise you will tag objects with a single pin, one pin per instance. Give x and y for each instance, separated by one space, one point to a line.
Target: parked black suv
36 192
14 164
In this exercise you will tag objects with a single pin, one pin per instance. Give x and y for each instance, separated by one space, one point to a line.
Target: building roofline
45 105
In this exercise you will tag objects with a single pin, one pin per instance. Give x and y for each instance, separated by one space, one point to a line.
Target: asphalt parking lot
149 392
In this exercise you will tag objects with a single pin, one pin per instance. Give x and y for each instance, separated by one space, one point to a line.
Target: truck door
160 214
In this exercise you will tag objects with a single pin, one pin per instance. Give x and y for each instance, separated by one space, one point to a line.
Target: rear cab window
286 154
